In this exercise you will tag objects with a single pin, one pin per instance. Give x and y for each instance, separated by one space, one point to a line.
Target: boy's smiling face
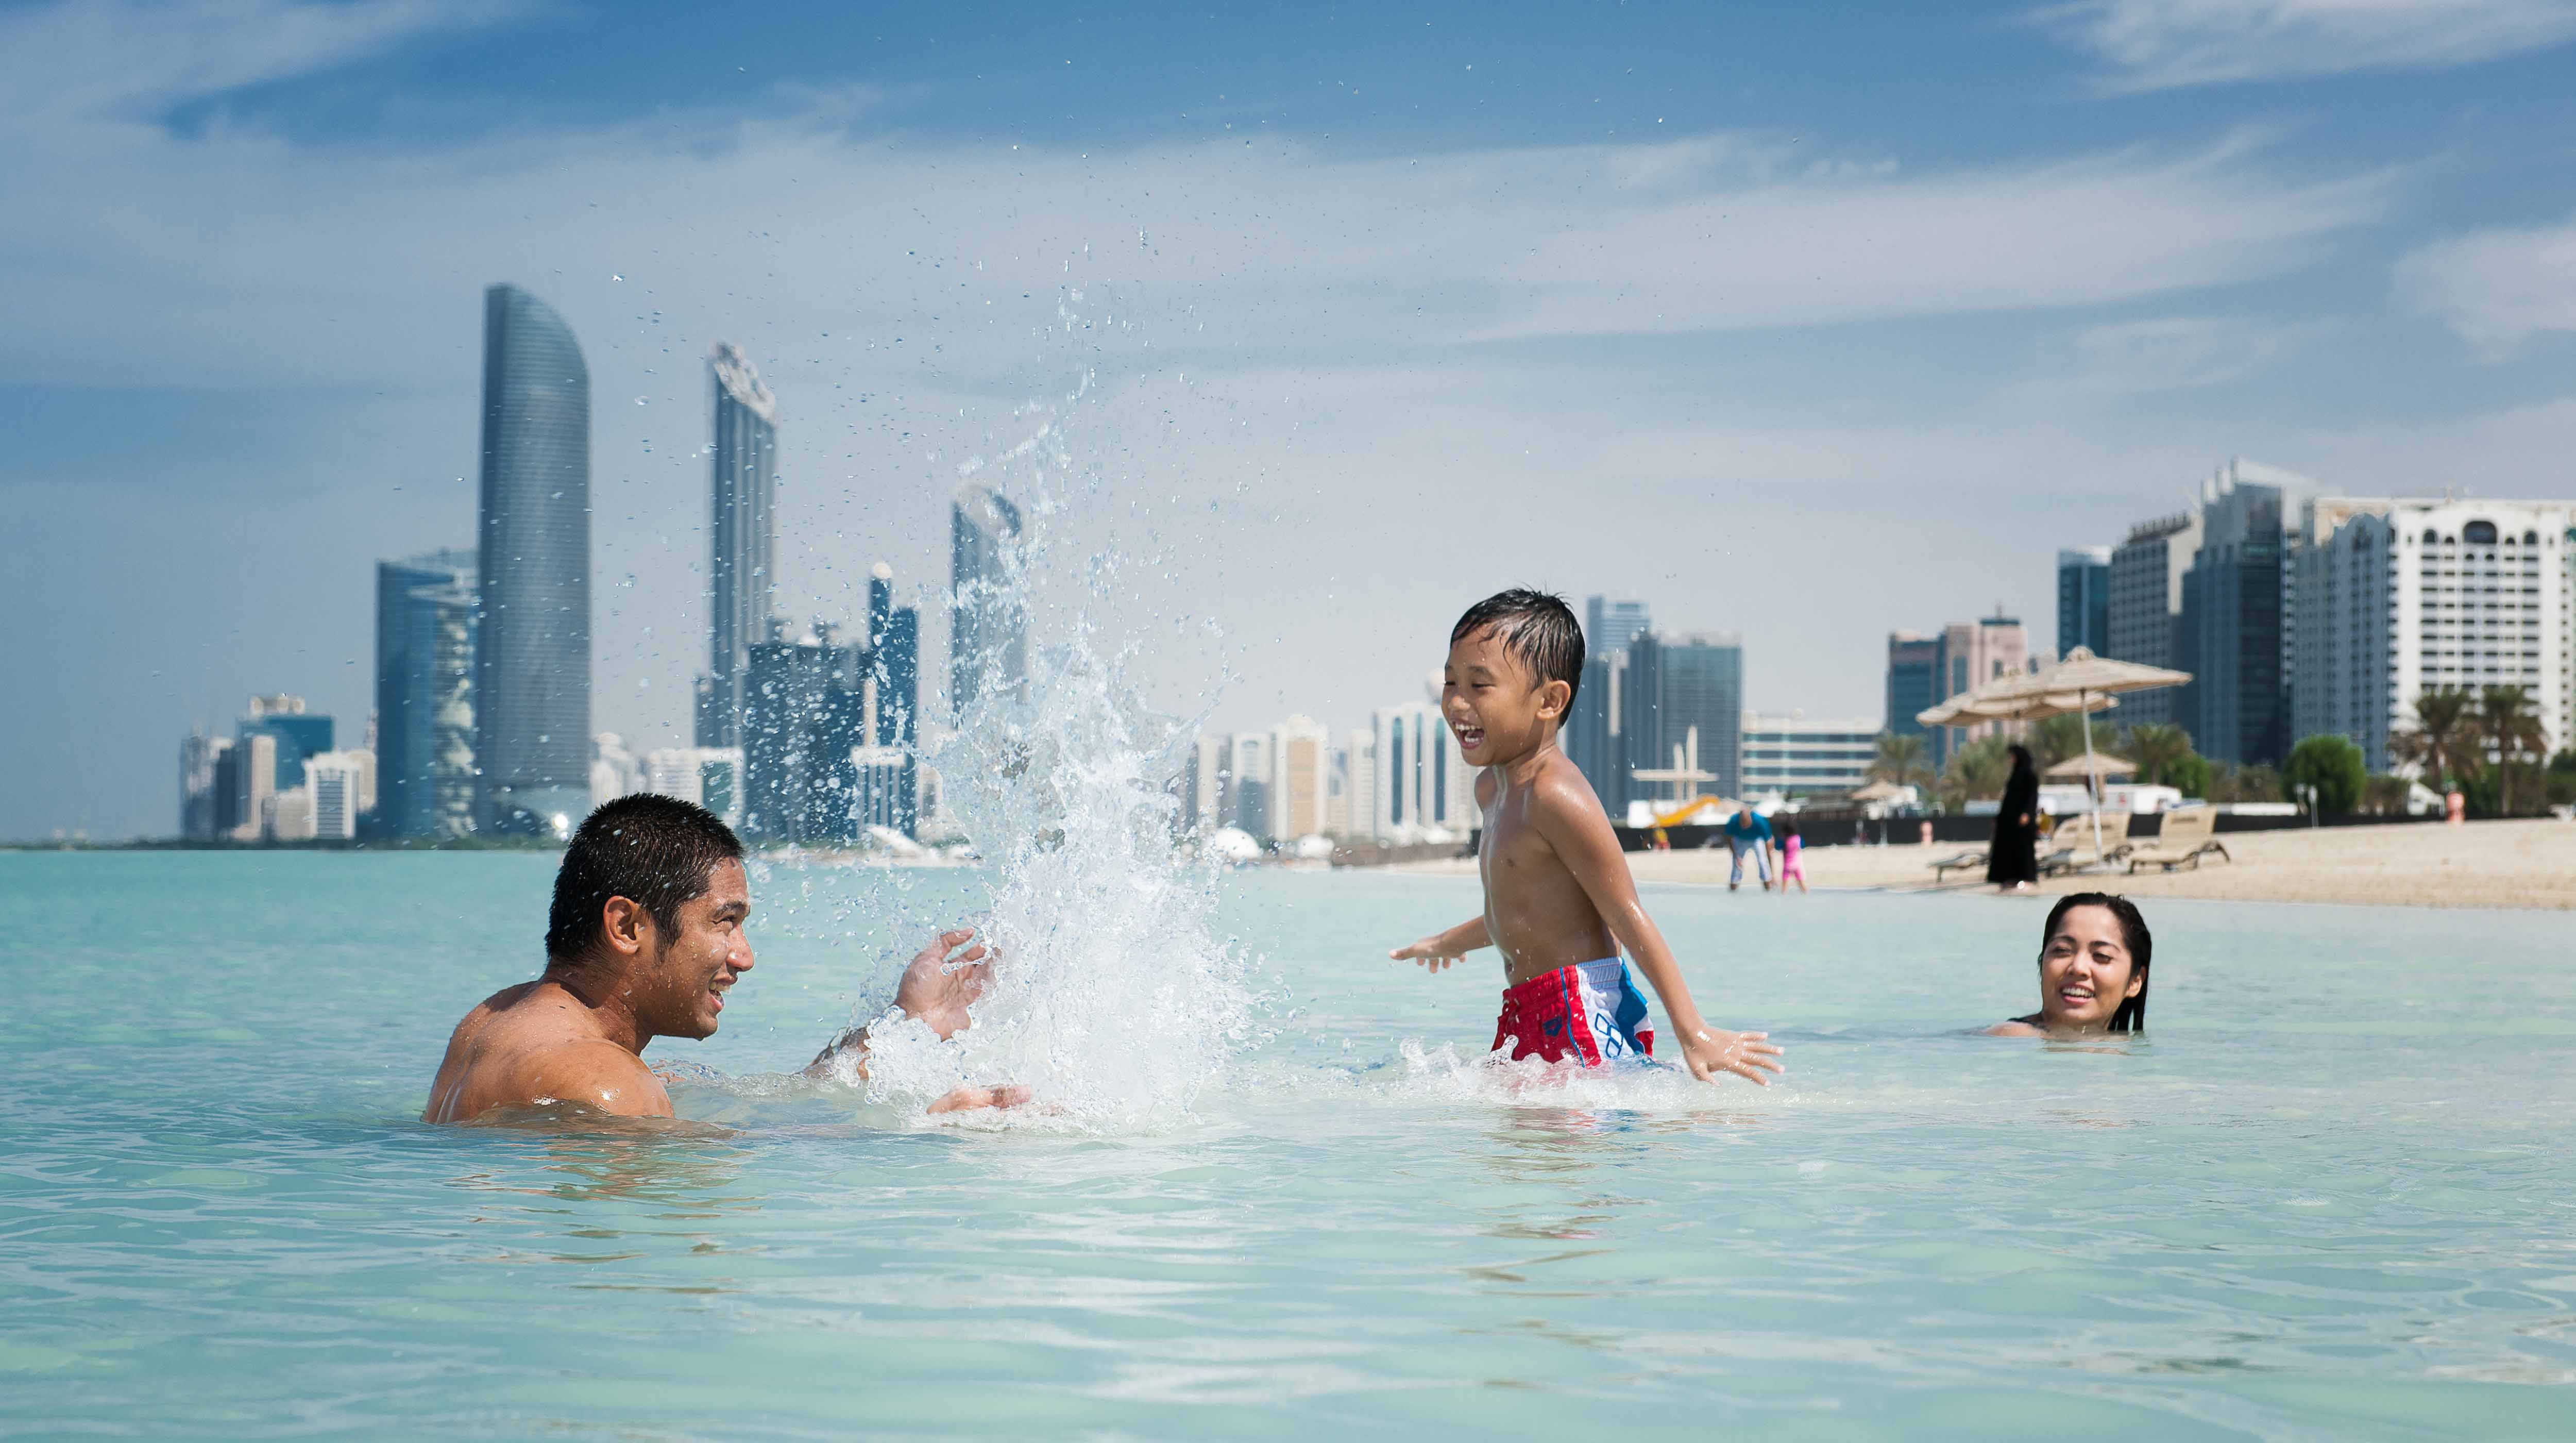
1494 703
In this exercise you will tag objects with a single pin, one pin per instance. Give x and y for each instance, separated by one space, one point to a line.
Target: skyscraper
742 539
806 715
1595 739
2084 599
2406 596
1914 679
425 695
894 649
2236 602
1685 699
2145 618
201 805
987 624
532 654
1611 622
299 733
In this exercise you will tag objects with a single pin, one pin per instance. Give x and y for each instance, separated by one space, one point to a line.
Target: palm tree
2056 739
2506 720
2442 741
1977 772
2155 747
1900 761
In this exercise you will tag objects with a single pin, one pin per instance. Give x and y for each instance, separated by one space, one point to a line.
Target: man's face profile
687 974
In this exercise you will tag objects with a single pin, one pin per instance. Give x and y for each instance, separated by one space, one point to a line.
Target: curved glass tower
987 631
532 658
742 541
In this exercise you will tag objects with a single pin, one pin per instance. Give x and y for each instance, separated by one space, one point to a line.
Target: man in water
644 940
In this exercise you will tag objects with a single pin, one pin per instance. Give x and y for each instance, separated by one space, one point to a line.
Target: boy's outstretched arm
1446 949
1573 824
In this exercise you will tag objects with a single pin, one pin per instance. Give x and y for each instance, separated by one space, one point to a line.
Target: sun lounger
2081 854
1942 869
2185 840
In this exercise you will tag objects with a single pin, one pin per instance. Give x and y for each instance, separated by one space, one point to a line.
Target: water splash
1113 1001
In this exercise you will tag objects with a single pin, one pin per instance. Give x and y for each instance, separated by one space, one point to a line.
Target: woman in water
2012 862
2092 969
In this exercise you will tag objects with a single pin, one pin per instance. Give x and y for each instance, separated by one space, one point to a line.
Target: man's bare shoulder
532 1045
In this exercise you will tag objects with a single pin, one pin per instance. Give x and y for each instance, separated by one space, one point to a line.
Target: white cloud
2499 289
2160 44
116 61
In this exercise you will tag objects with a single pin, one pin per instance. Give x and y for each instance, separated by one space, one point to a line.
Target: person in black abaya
2012 863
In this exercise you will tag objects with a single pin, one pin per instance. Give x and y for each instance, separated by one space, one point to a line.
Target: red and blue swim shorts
1591 1011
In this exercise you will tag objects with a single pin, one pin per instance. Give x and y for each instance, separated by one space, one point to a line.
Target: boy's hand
1431 952
1713 1050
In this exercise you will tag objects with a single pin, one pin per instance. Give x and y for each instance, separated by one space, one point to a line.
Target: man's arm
1446 949
937 988
1575 826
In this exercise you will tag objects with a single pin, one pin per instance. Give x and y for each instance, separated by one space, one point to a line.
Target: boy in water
1558 898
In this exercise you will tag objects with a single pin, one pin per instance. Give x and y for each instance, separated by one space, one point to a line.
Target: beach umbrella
1994 702
1879 792
2093 768
2087 676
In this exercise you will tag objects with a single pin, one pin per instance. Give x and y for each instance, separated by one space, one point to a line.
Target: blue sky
1811 322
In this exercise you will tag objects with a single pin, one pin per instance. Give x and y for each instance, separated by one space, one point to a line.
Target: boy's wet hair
1535 626
657 852
2131 1015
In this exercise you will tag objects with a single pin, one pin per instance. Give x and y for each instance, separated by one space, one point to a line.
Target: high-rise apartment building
809 704
2084 599
1684 704
987 620
343 788
1926 669
298 731
532 653
245 780
1359 783
1422 779
200 762
1203 784
1797 755
2237 601
708 776
1611 622
1595 735
1247 783
894 649
425 633
1300 777
2402 597
2146 614
1914 680
742 570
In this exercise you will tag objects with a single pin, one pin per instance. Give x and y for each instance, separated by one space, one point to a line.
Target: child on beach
1793 855
1559 902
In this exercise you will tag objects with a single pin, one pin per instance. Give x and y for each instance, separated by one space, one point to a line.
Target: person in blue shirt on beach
1747 832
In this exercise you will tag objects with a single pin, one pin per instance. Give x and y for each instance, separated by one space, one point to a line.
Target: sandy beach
2518 864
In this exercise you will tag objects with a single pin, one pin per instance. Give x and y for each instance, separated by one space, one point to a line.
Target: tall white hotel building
2395 598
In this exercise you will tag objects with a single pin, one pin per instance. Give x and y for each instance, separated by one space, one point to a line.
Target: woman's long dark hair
2132 1014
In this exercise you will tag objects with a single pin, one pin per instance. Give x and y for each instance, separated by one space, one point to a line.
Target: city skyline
2011 298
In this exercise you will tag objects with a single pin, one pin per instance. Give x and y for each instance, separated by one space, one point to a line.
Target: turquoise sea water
2332 1194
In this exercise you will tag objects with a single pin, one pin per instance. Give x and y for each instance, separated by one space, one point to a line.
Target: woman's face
2085 971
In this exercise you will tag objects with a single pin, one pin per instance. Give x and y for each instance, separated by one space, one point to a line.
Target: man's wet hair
657 852
2132 1013
1535 626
